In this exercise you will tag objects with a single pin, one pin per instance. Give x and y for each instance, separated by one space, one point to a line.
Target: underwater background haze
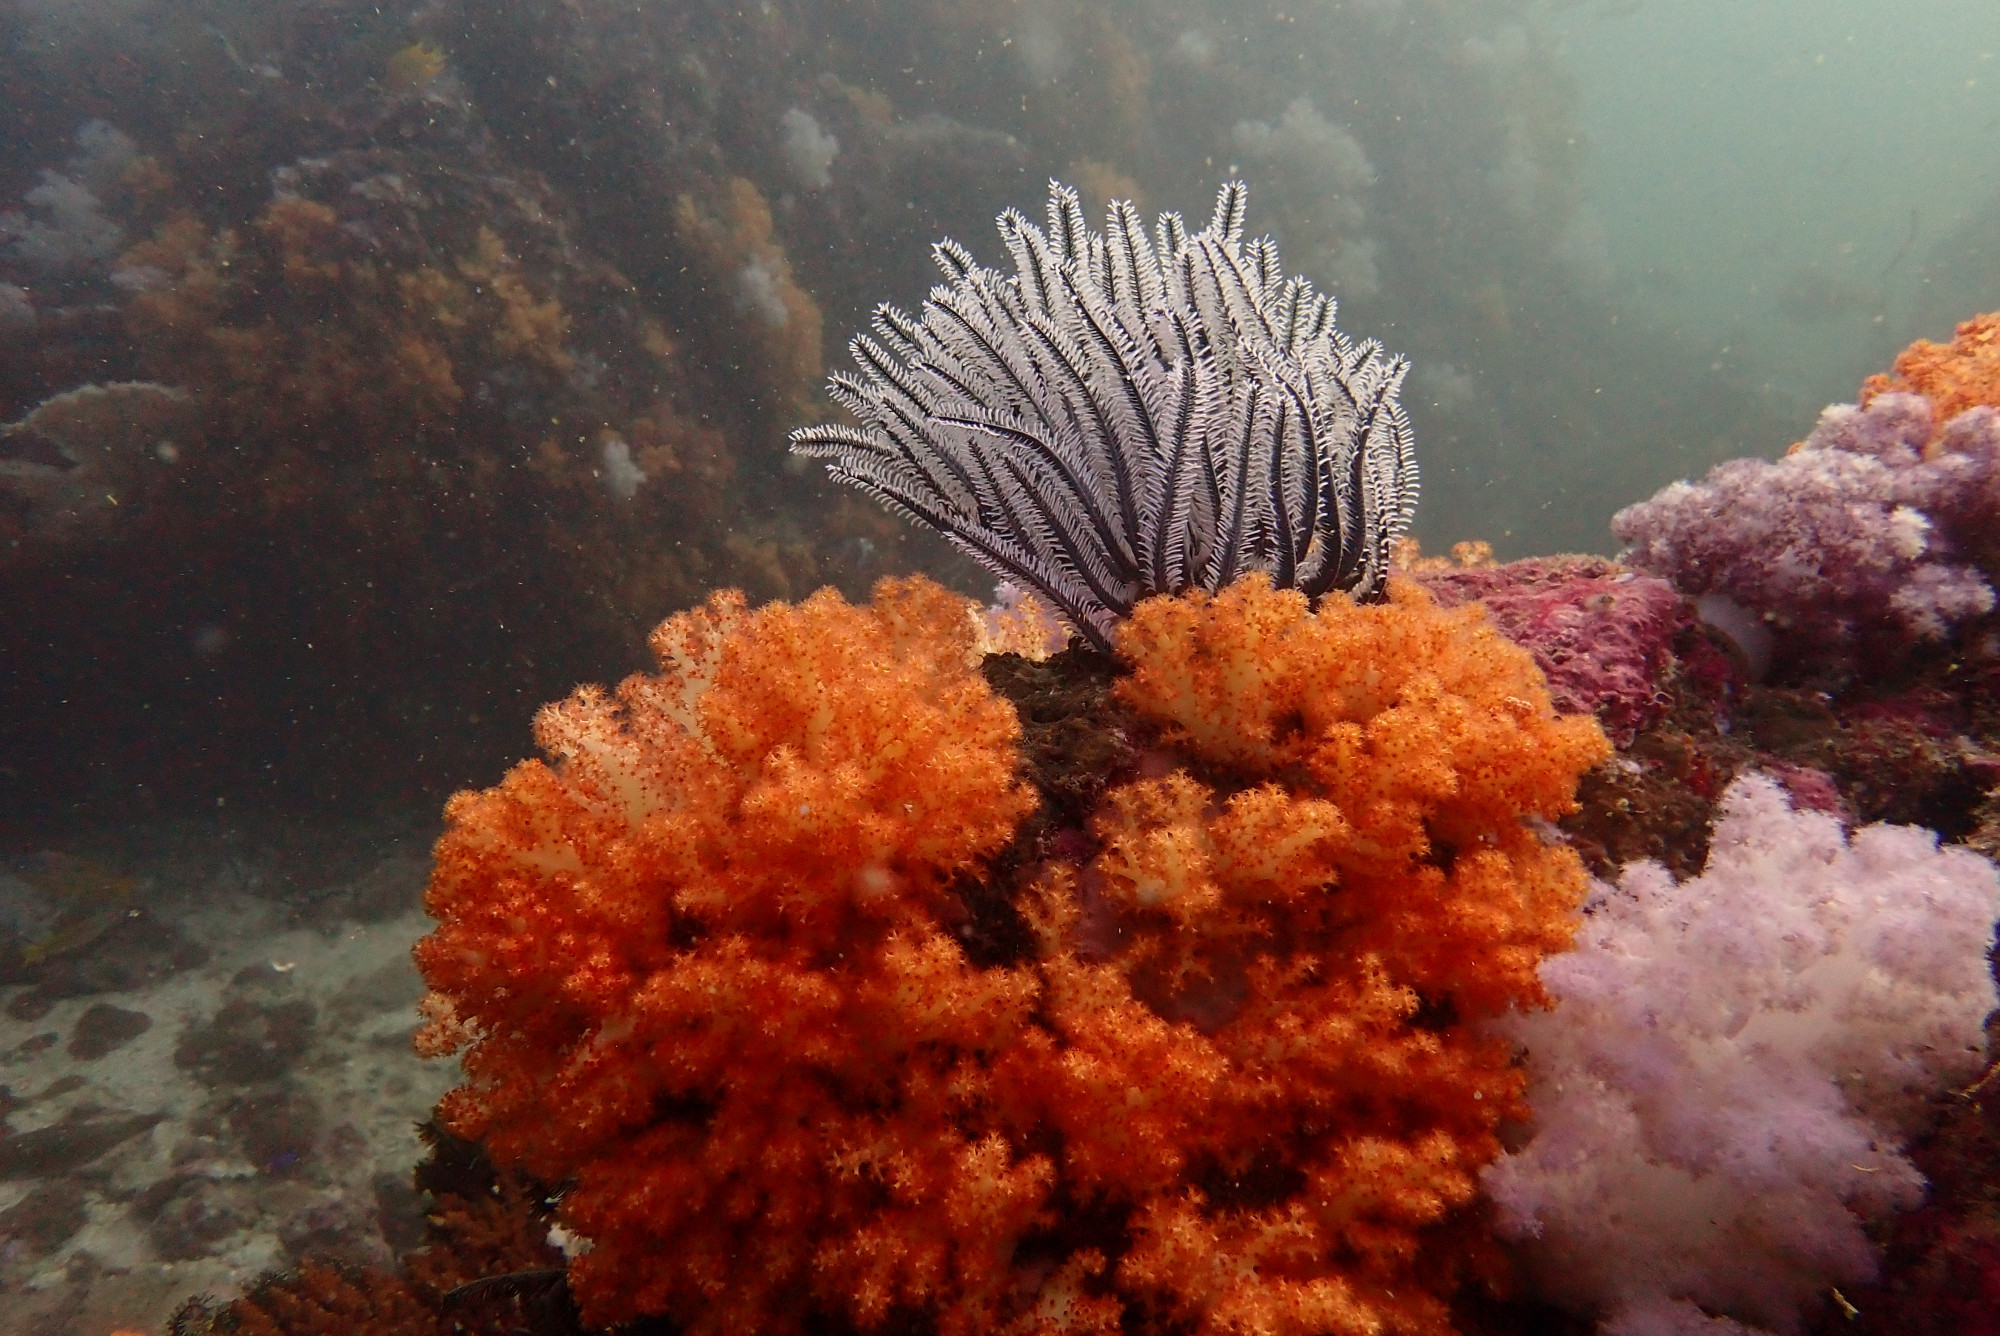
1585 926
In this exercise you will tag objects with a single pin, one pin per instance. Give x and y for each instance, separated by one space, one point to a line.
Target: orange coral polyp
1240 1081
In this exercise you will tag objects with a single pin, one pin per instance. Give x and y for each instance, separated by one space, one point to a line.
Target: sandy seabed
205 1063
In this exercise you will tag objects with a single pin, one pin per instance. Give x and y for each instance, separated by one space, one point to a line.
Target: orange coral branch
1321 932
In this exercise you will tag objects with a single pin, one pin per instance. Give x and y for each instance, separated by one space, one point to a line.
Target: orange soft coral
321 1301
1955 376
702 964
1232 1080
1267 987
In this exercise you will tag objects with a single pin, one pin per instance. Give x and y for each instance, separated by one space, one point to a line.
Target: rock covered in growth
69 465
1722 1090
1601 633
705 965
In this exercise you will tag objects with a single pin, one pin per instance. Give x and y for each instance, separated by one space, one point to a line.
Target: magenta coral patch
1601 634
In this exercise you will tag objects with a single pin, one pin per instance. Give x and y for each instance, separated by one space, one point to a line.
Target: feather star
1130 414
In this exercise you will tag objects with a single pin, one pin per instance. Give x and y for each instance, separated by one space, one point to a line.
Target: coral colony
1222 1059
1204 940
848 973
1878 531
1126 416
1723 1087
1865 528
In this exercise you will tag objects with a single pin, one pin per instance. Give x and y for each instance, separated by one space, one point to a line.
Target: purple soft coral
1860 533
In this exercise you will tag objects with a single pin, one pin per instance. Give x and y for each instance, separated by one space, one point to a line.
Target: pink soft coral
1722 1089
1867 530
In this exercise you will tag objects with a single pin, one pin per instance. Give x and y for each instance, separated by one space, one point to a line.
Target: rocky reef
487 323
